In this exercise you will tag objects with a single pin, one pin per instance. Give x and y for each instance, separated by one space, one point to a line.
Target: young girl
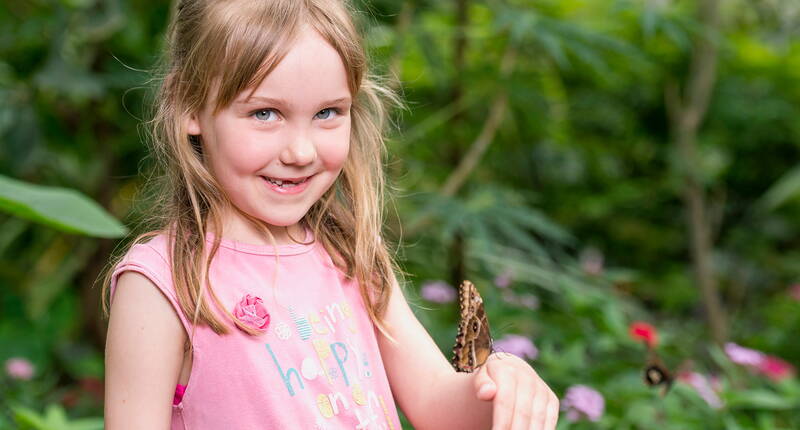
266 298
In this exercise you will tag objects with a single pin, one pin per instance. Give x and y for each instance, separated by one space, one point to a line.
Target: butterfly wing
473 341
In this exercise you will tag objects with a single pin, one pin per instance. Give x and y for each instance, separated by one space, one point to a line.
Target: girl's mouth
287 185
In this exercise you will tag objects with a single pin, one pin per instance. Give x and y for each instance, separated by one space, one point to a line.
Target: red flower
251 311
94 387
775 368
794 292
640 330
88 388
70 398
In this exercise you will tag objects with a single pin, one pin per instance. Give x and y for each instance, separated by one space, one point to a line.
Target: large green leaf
54 418
57 207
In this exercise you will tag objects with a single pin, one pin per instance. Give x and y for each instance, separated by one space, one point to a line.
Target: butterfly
473 341
656 373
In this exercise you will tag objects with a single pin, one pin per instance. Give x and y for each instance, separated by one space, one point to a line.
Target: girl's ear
192 124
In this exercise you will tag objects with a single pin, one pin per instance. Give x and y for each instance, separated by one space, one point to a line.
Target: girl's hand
522 401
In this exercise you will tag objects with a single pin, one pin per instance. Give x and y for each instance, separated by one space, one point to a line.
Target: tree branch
486 136
479 146
686 115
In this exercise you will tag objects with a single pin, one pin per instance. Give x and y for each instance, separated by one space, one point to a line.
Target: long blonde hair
236 43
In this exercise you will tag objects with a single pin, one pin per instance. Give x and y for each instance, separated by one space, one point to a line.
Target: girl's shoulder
150 248
149 255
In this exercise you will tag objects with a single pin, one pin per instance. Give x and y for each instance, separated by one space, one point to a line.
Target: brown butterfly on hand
474 341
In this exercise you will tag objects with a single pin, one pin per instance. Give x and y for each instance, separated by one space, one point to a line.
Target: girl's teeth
284 184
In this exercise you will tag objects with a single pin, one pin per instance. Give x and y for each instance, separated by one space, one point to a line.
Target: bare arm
427 388
144 353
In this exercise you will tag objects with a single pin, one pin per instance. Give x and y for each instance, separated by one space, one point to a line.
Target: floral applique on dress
251 311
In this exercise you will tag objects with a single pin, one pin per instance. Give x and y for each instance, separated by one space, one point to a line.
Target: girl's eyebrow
283 103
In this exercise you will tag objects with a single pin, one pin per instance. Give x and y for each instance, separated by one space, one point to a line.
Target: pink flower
509 297
744 356
775 368
591 261
525 300
504 279
438 292
529 301
518 345
19 368
640 330
251 311
770 366
703 386
716 383
582 402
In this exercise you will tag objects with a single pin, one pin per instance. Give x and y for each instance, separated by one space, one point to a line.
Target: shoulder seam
163 258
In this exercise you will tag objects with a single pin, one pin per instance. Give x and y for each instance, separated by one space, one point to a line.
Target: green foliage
54 418
579 197
60 208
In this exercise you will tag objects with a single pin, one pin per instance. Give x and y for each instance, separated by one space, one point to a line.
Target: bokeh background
612 174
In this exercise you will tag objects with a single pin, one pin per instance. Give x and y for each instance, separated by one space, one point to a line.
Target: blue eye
328 111
263 114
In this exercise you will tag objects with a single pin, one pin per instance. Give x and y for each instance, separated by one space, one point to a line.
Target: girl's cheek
246 157
333 148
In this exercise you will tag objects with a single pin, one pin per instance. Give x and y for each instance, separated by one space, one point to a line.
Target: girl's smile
287 185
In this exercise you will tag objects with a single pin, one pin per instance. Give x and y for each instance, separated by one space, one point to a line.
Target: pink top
316 364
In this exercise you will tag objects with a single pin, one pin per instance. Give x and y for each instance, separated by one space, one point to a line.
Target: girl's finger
485 388
504 399
523 409
552 413
539 408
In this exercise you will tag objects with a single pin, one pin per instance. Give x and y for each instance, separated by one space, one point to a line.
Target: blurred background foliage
587 163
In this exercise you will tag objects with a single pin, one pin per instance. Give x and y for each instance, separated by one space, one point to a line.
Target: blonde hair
235 44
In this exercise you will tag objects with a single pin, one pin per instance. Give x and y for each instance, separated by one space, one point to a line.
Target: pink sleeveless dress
316 363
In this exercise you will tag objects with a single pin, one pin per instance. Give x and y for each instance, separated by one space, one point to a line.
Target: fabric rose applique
251 311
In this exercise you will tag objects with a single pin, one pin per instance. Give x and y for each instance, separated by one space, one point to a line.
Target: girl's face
276 151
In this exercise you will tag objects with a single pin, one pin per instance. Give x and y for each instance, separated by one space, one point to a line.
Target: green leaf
731 424
54 418
28 417
760 399
87 424
785 189
61 208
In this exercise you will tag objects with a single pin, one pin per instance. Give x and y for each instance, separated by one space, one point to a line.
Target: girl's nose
300 151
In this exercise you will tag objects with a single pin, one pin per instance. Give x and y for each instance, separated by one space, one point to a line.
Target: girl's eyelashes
264 115
270 115
327 113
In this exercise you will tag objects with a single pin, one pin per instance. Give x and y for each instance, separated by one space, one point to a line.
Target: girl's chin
283 223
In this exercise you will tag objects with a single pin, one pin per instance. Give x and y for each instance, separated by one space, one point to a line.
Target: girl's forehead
311 72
